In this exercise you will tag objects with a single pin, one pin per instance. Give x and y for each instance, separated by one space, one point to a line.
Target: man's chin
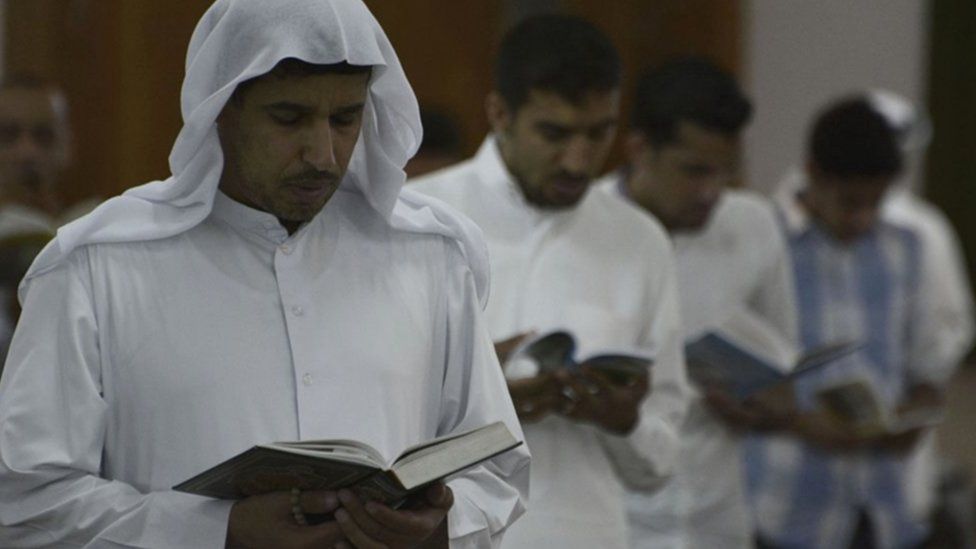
563 200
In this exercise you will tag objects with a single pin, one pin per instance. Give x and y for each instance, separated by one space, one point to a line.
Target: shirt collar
796 220
247 219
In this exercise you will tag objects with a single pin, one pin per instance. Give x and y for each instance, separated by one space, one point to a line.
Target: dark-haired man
857 276
732 267
566 257
278 286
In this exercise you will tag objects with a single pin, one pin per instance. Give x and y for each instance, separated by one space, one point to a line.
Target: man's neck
644 201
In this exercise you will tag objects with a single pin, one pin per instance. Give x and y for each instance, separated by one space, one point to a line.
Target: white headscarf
237 40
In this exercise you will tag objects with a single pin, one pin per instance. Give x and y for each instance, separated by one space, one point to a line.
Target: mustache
312 178
574 178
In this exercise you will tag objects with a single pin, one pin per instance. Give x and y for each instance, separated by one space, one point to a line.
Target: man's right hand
266 521
534 397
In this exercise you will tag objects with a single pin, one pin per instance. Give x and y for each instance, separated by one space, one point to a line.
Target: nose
577 157
318 149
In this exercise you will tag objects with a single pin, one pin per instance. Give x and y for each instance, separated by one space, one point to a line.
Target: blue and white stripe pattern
802 496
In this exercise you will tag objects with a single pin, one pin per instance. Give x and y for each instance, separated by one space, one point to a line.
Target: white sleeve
946 286
645 456
941 325
488 498
774 296
52 429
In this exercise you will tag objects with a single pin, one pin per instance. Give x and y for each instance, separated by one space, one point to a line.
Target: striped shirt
868 290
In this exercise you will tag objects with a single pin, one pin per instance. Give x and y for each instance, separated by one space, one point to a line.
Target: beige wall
800 53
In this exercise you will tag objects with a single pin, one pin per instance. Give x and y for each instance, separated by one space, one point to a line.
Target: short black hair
850 138
690 89
292 66
555 53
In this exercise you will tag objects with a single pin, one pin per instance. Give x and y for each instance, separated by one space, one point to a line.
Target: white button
307 379
285 249
297 311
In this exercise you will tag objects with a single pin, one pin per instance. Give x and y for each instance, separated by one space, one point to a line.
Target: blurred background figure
17 252
858 277
441 145
34 149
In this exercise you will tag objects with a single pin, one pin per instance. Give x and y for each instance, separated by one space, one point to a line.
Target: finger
414 525
363 519
354 533
319 502
439 495
575 389
534 409
322 535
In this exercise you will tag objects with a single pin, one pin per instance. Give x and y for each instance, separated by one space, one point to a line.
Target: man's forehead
692 137
306 87
592 107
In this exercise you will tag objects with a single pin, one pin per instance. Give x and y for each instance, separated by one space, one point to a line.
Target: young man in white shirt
565 257
731 260
858 276
278 286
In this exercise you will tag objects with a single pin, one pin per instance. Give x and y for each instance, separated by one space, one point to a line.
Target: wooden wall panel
72 43
121 63
446 48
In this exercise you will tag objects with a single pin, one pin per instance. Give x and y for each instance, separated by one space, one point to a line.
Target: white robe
604 271
137 365
161 336
736 264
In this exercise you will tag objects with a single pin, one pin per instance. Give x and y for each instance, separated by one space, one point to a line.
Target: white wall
801 53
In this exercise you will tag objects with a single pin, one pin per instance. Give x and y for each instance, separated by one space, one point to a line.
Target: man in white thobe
731 261
562 257
277 287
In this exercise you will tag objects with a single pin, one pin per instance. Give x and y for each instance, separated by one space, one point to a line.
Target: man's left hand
372 525
592 398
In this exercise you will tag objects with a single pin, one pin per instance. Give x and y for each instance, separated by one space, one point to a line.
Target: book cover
335 464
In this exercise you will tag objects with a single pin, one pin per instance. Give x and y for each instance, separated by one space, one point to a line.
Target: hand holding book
604 389
852 416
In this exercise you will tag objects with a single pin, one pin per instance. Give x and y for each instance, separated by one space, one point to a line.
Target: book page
352 449
753 333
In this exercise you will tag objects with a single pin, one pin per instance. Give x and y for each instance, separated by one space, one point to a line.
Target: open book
855 404
744 356
335 464
557 350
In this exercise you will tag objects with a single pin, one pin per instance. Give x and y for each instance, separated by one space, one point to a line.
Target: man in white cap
277 286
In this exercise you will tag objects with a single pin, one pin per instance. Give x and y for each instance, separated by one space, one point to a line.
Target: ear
499 116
